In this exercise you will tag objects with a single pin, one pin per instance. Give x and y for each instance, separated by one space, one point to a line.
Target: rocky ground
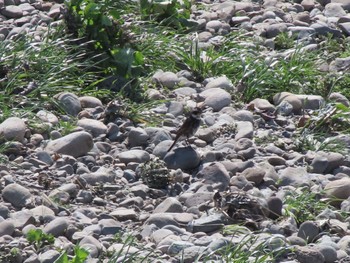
110 176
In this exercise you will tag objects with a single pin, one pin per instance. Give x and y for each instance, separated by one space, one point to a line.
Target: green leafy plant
167 12
284 41
39 239
80 255
304 206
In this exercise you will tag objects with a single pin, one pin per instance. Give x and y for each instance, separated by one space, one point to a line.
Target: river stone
101 176
290 98
216 175
339 189
95 127
243 115
329 253
254 174
75 144
56 227
171 205
48 256
70 103
137 156
137 137
47 116
334 9
308 231
184 158
340 98
245 129
90 102
221 82
167 79
308 255
12 11
6 228
311 102
13 128
294 176
216 98
161 220
16 194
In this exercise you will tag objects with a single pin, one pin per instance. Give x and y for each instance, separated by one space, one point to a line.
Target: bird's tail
172 146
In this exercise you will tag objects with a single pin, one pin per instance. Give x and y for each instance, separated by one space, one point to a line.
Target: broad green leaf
139 59
115 14
63 258
106 21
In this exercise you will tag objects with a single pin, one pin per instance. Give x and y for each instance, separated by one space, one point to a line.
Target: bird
189 127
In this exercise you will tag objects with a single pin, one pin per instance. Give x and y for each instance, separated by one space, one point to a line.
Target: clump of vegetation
154 173
80 255
39 239
304 206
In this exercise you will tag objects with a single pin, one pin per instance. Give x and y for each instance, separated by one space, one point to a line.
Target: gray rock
47 116
178 246
290 98
57 227
319 164
308 231
338 97
192 253
245 129
90 102
176 108
137 156
184 158
49 256
160 234
243 115
4 211
109 226
293 176
241 182
6 228
216 175
262 104
345 28
101 176
170 205
275 29
308 255
322 28
22 218
311 102
334 9
95 127
207 224
137 137
340 64
302 32
166 79
274 204
338 189
13 128
70 103
216 98
221 82
16 194
84 196
196 199
75 144
329 253
12 11
161 220
344 244
123 214
92 245
243 144
254 174
206 134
